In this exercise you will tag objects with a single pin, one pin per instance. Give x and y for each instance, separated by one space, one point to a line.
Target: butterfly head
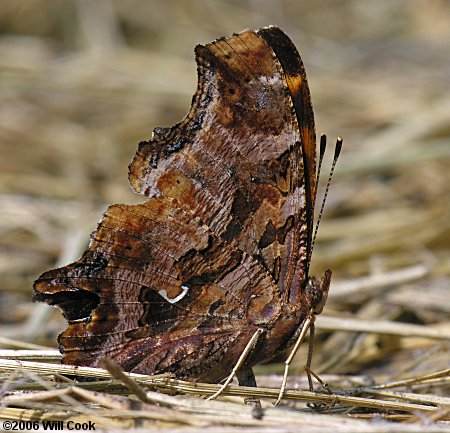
316 292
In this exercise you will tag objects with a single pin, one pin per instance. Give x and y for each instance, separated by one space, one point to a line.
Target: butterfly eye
317 297
321 292
319 302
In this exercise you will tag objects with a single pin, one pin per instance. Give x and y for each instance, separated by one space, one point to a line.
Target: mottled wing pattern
235 160
297 82
157 288
223 240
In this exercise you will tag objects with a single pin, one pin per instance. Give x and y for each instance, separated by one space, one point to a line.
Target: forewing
235 161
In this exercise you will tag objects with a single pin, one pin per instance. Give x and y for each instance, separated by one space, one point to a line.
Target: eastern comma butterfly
215 263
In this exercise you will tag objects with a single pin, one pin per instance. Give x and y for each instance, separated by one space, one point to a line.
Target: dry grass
64 399
83 82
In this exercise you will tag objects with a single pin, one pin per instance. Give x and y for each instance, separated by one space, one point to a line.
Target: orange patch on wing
174 184
294 83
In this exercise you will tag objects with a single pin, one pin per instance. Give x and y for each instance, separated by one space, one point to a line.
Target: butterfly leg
310 374
309 359
305 326
250 345
246 377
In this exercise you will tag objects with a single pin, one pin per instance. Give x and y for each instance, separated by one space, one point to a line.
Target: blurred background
82 82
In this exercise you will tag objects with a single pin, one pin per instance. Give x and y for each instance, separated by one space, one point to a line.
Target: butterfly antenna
337 151
323 146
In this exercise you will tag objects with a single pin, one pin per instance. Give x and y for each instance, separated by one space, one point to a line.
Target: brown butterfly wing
297 82
222 242
155 291
235 161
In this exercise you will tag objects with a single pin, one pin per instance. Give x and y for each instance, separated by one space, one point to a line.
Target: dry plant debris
83 82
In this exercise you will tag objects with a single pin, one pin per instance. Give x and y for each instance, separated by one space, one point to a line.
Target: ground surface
81 83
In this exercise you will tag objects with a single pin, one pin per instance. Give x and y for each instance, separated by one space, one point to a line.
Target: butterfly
215 263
